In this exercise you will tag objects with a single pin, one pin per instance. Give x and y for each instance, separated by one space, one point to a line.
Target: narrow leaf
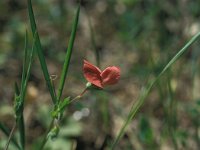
68 54
17 92
25 59
23 93
20 99
27 73
146 90
40 52
21 127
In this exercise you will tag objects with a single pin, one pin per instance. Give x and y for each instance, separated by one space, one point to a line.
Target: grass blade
25 77
39 51
27 73
146 90
20 123
17 92
25 60
68 54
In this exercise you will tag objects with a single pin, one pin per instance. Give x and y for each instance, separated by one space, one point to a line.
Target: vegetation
46 102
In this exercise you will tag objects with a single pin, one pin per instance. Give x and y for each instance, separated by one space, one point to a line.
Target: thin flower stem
10 136
79 96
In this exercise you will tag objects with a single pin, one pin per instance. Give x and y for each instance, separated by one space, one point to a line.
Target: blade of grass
146 90
68 54
17 92
63 73
23 93
24 61
20 119
6 131
19 111
40 52
20 122
27 73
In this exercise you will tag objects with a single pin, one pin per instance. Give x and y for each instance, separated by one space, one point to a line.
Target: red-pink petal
92 74
110 75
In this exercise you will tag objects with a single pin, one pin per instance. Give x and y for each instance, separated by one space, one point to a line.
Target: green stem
46 135
45 139
21 127
79 96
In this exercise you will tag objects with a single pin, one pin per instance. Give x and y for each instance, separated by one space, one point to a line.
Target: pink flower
94 75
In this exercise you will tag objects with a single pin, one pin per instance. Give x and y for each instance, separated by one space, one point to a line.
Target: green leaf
146 90
29 61
40 52
68 54
19 100
24 69
21 131
17 92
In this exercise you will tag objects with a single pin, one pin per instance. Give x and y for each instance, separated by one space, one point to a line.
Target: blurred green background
139 36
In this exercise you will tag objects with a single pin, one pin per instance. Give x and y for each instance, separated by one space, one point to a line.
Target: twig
10 136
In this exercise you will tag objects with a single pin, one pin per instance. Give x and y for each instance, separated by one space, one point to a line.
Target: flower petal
110 75
92 74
